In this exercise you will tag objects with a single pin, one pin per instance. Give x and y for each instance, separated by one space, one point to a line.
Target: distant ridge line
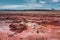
31 10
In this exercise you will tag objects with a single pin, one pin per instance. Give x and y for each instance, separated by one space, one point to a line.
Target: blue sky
29 4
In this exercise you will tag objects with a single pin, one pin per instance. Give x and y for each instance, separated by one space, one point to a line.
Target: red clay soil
29 28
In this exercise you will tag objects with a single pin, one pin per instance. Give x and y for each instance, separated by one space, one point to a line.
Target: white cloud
25 6
42 2
11 6
31 4
34 5
55 0
30 1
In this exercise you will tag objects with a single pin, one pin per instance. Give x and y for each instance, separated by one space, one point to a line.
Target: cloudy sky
29 4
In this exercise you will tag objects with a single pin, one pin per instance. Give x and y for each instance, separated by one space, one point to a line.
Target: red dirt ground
42 27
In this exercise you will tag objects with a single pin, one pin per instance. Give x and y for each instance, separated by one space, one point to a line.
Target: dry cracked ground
30 26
